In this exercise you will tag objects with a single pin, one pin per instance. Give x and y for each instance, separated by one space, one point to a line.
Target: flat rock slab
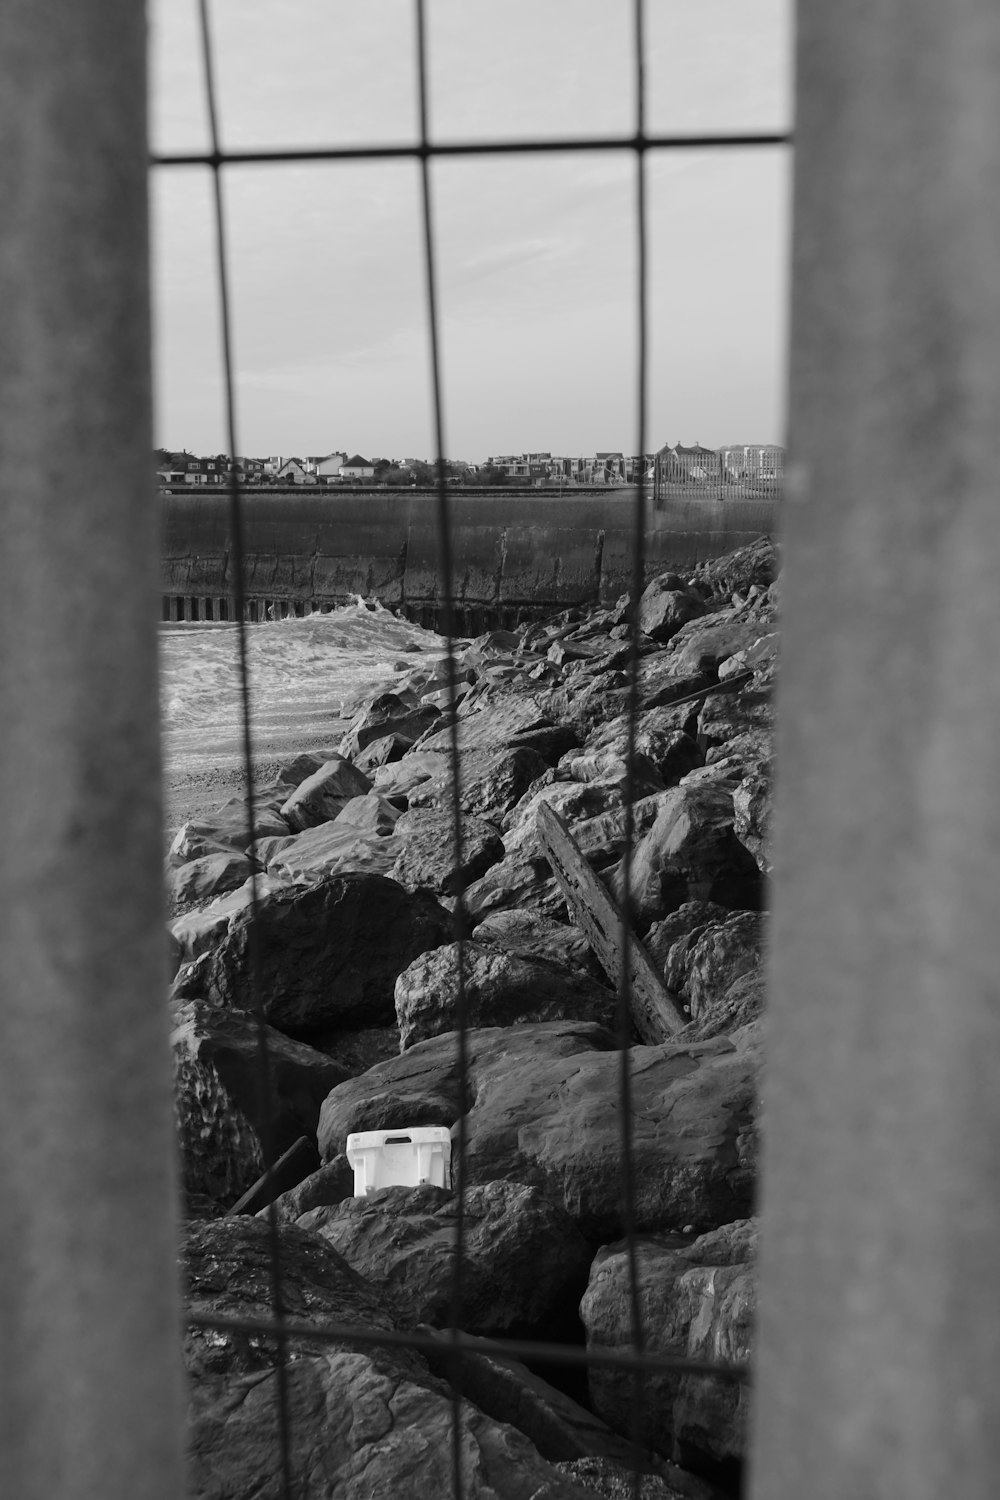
324 954
524 1262
697 1300
363 1422
499 988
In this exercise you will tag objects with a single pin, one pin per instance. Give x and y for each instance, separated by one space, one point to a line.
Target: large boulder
372 813
500 989
421 1087
362 1420
741 1004
217 1104
425 838
697 1300
752 566
491 781
703 645
703 964
509 722
210 875
200 930
324 954
196 841
524 1262
388 714
554 1122
690 853
334 848
230 822
543 1105
666 605
322 795
531 935
726 717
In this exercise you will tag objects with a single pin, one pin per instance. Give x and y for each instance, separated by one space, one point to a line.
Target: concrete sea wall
513 555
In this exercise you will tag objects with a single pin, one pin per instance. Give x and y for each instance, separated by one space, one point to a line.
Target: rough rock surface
196 841
324 953
665 606
524 1262
333 848
491 781
323 794
370 812
614 1481
702 965
421 1087
386 715
697 1299
752 816
199 930
427 856
500 989
544 1111
210 875
554 1123
690 854
529 935
217 1097
364 1421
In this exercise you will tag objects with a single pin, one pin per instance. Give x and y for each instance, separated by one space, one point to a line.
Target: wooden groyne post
879 1366
90 1376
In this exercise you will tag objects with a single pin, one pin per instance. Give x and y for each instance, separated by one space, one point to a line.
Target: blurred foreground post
89 1380
879 1368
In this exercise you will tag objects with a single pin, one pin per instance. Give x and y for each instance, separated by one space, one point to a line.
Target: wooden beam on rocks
654 1011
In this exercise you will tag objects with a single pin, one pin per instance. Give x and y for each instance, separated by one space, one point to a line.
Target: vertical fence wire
446 577
639 1360
636 1331
255 999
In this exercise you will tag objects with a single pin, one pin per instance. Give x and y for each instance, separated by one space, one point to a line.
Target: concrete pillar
879 1360
89 1379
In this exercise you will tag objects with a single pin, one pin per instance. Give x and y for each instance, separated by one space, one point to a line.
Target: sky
536 255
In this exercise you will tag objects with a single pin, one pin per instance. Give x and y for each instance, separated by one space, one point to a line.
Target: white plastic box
407 1155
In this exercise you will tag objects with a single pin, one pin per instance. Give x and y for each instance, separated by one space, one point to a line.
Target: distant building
293 471
329 467
754 463
681 465
357 468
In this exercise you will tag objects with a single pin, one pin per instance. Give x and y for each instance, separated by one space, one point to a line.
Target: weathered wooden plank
654 1012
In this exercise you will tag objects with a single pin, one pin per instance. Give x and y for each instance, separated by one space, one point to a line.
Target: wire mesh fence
715 475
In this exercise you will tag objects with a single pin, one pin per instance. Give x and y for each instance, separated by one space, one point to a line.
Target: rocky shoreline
352 961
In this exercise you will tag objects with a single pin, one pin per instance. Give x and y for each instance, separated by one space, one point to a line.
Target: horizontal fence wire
264 156
453 1344
469 1346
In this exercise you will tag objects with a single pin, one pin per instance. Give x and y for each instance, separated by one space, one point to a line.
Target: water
304 675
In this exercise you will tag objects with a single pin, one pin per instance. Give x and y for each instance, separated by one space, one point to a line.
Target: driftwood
654 1011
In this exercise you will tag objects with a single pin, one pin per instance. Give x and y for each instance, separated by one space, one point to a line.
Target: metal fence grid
282 1329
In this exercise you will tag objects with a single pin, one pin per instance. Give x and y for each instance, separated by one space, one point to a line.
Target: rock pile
354 943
